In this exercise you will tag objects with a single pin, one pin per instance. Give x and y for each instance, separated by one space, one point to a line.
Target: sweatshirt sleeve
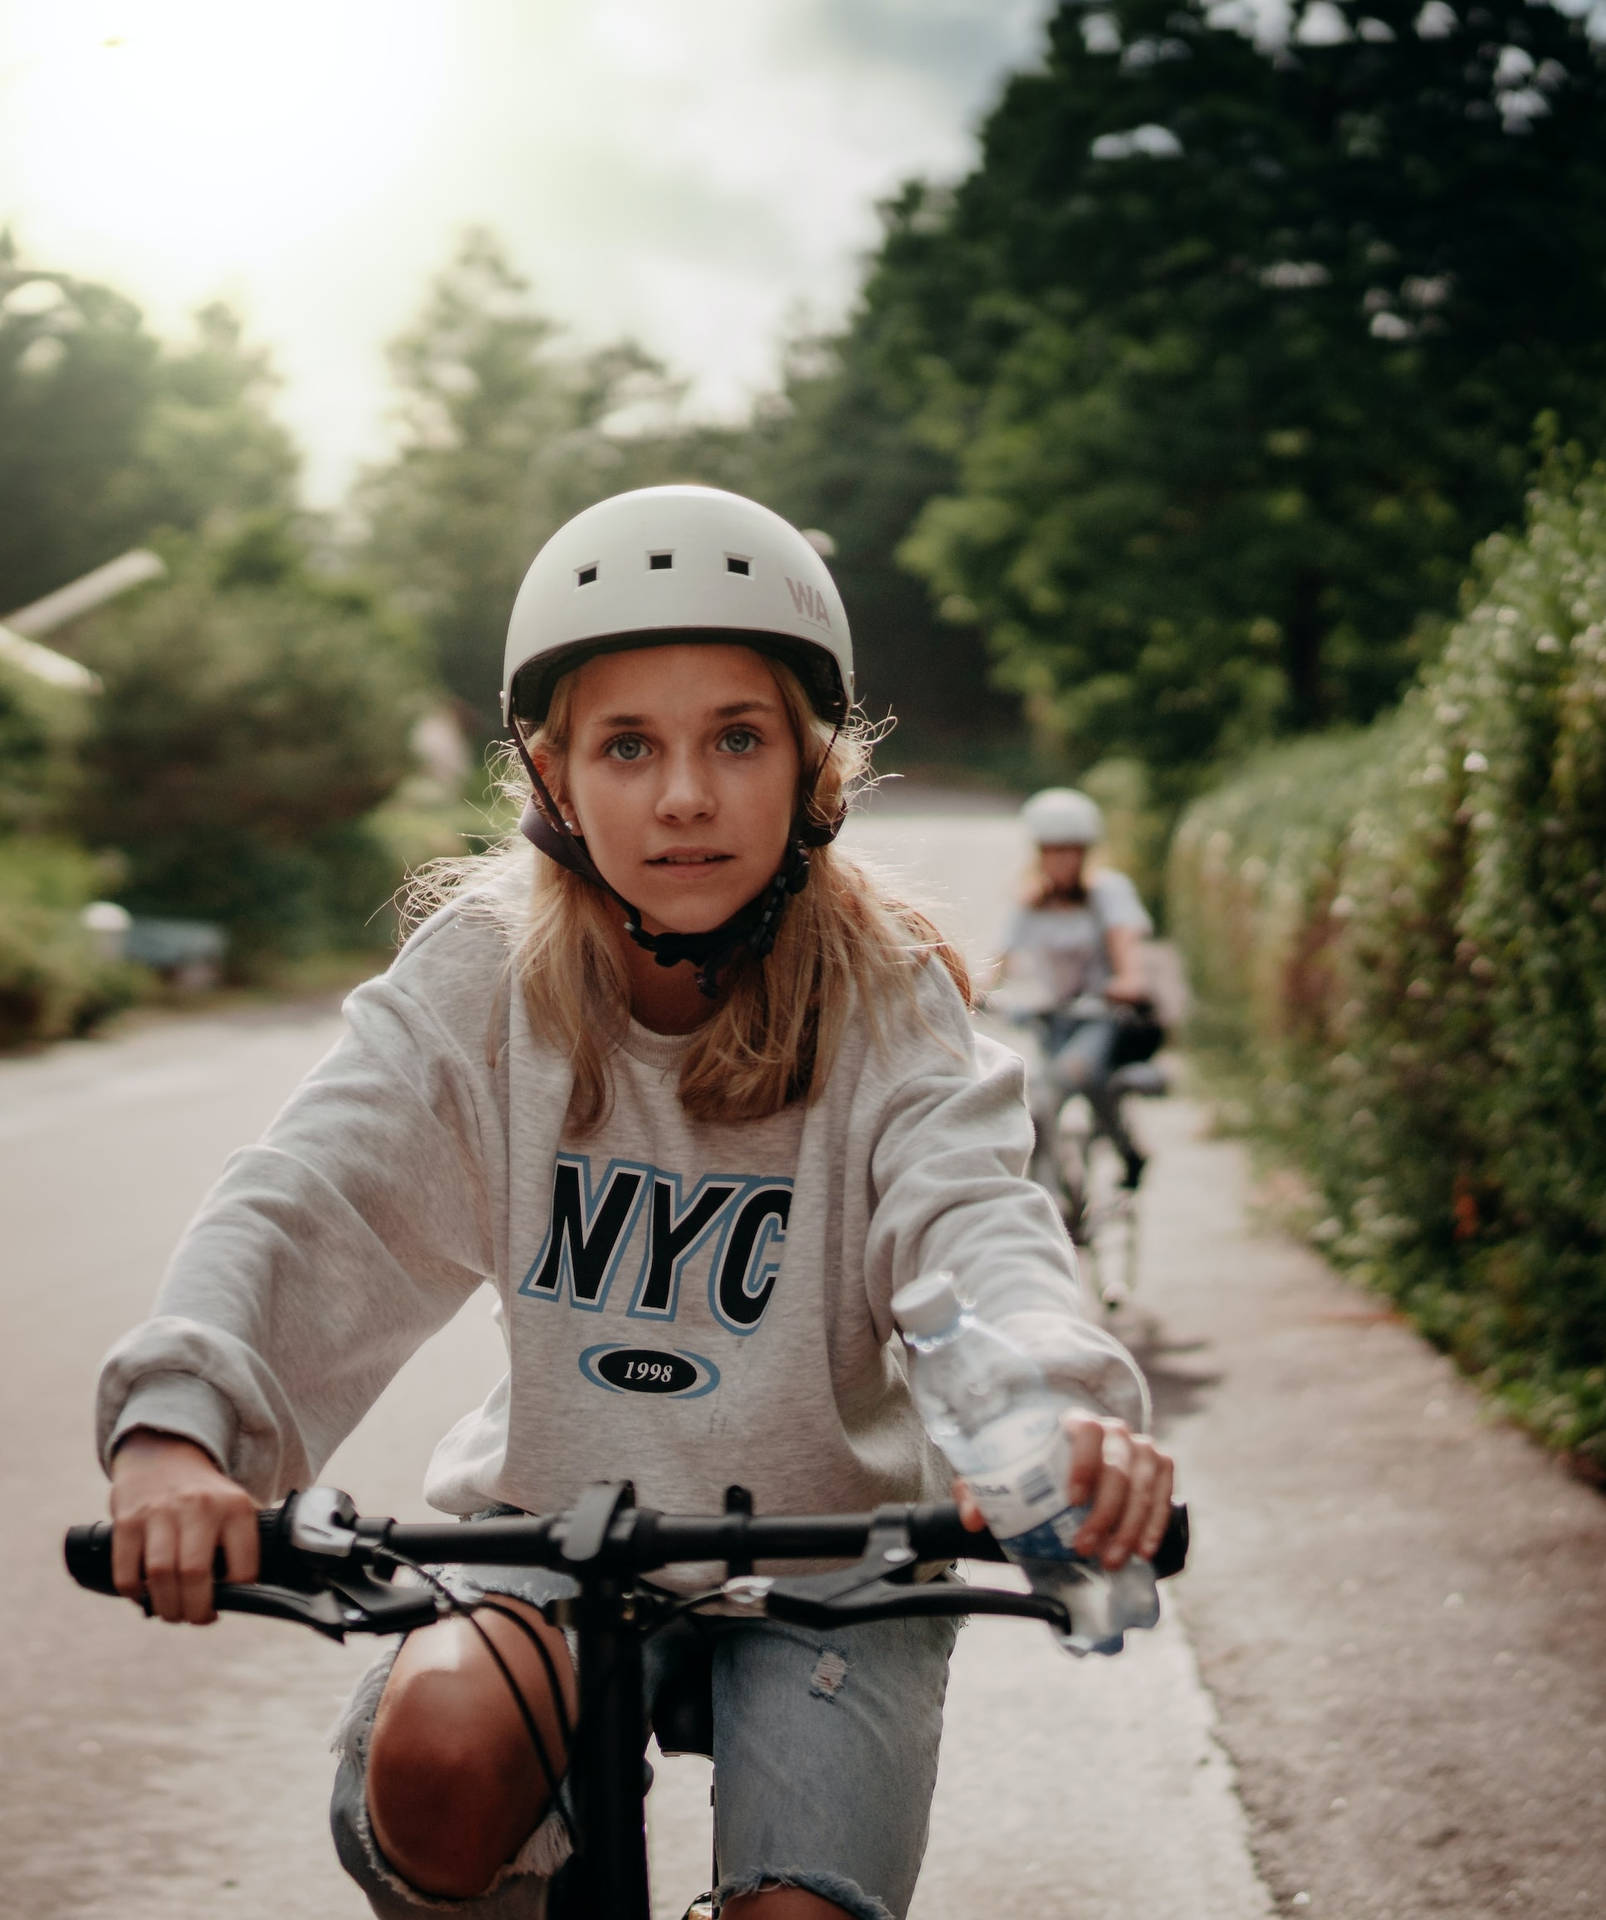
329 1251
952 1137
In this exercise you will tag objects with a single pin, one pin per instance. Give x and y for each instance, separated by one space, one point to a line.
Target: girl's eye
740 740
626 746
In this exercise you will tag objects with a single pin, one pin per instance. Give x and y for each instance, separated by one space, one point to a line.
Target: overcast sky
700 173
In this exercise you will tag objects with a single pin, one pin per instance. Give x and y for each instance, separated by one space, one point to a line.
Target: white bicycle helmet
648 568
1063 817
662 564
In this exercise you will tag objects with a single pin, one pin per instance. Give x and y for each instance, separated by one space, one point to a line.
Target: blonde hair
1038 891
778 1023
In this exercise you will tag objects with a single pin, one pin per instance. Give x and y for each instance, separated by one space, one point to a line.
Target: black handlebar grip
89 1556
88 1552
1172 1555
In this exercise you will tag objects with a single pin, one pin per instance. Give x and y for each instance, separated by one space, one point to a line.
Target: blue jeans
825 1757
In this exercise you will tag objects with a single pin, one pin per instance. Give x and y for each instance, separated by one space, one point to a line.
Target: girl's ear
548 765
550 769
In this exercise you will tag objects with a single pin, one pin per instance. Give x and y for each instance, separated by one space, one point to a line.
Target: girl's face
682 775
1062 866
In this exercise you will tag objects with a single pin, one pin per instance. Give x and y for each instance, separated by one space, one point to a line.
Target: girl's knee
437 1797
453 1785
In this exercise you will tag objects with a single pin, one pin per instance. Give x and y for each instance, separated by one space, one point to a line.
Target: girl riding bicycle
696 1095
1079 931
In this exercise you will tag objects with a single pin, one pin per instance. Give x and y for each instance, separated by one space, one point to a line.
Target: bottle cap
927 1305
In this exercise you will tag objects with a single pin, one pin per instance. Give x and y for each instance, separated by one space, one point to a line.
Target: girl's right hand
172 1508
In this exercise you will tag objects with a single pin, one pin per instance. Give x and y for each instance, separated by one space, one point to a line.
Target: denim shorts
825 1757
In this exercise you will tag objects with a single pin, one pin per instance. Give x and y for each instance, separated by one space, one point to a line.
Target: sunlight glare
208 132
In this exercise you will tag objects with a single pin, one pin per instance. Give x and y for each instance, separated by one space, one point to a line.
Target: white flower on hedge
1475 762
1547 643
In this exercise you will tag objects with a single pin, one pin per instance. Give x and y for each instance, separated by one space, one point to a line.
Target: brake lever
889 1600
345 1603
878 1587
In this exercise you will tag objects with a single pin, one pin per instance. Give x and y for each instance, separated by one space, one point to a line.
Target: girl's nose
686 793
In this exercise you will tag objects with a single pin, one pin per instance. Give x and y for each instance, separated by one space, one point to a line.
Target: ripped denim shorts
825 1757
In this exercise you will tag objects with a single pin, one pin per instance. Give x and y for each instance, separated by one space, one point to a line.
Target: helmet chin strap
753 926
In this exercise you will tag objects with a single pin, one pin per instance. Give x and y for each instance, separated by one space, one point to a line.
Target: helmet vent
735 563
585 576
660 562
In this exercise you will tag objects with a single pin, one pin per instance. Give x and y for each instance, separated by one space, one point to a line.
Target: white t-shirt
1064 947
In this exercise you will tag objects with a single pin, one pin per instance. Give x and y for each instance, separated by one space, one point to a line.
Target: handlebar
327 1567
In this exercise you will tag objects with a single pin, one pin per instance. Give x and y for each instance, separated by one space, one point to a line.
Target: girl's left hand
1121 1477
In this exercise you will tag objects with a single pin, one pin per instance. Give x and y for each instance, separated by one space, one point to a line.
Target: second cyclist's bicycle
1097 1182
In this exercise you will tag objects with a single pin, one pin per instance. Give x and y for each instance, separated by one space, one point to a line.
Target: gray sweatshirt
683 1304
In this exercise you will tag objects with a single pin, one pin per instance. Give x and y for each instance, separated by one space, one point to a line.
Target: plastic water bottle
986 1404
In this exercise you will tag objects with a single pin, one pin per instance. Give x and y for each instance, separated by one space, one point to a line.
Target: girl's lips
687 859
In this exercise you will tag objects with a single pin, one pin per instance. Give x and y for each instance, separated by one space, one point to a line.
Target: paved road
1380 1692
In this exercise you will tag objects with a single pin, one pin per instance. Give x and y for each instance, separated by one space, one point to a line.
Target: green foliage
107 437
506 436
1235 354
253 716
53 980
1251 885
40 726
836 450
504 440
1136 830
209 444
1399 934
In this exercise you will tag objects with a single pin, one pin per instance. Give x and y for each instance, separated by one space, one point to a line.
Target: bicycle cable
682 1608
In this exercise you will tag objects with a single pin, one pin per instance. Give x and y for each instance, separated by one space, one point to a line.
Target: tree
253 714
1238 351
834 450
209 443
107 436
504 438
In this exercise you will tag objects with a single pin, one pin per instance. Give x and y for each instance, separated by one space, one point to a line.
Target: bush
1401 935
53 980
40 726
253 719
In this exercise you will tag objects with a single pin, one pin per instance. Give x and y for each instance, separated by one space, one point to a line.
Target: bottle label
1023 1500
1051 1541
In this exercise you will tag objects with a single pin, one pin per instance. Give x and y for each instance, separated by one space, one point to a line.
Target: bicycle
326 1567
1097 1187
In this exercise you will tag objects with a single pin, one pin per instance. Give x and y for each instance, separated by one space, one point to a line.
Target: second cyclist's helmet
677 563
1063 817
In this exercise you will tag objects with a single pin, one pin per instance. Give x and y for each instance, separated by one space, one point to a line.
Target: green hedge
40 727
1398 940
54 982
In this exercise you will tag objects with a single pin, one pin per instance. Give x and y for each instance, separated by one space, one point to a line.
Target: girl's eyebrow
731 712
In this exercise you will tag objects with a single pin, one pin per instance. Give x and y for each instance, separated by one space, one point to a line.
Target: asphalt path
1378 1691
